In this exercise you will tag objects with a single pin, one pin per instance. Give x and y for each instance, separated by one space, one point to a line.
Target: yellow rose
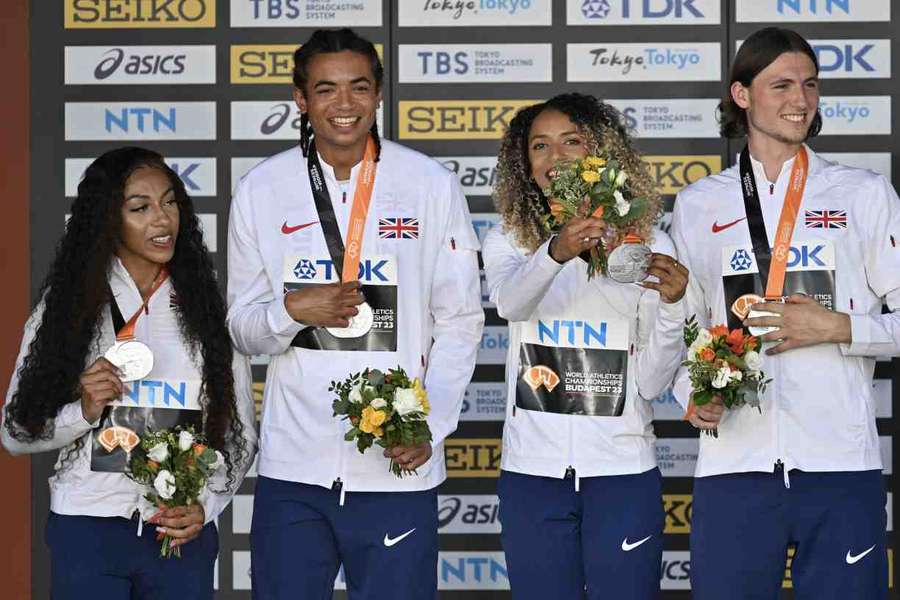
421 395
591 176
371 420
594 161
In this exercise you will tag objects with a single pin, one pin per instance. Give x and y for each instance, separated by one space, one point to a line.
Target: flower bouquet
723 363
595 186
387 409
176 466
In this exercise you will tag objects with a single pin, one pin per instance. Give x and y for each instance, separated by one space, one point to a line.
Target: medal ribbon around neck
127 331
345 260
773 265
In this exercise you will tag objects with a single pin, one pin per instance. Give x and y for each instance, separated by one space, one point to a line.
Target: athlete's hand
801 321
409 457
672 275
99 385
575 237
184 523
707 417
329 305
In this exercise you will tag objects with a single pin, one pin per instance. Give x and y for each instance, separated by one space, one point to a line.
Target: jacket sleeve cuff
860 337
671 313
280 321
71 416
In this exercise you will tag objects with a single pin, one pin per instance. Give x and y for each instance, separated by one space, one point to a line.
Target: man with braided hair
414 302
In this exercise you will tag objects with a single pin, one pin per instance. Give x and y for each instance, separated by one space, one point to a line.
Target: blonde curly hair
517 197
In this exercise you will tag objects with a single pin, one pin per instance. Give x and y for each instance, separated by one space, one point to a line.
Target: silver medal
628 263
359 324
758 331
132 357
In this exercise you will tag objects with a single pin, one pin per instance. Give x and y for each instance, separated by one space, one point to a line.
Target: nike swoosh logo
626 547
389 541
851 560
289 230
716 228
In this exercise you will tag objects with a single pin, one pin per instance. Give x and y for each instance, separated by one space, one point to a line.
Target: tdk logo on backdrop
845 57
139 118
646 9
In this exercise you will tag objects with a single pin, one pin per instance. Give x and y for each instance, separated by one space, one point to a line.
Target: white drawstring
343 492
787 479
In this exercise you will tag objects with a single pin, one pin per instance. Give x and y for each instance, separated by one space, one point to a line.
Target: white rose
185 441
621 178
405 402
158 453
694 349
622 205
723 376
736 375
219 462
753 360
356 394
165 485
378 403
703 336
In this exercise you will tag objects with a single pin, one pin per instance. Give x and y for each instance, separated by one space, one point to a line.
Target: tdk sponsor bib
151 403
378 277
810 271
574 366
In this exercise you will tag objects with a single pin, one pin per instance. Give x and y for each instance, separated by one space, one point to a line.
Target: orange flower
199 449
152 465
751 342
707 354
718 331
735 341
598 214
556 209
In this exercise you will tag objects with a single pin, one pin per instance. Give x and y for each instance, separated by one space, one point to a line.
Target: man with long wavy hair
817 240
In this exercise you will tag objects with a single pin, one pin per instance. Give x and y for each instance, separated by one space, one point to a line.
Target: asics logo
851 559
389 541
626 547
716 228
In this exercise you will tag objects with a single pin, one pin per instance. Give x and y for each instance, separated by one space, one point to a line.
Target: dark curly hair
327 41
75 294
757 52
520 201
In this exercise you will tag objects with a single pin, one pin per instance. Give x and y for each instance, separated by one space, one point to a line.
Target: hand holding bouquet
176 466
595 186
724 364
387 409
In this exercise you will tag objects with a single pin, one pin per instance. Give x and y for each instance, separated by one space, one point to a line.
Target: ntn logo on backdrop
140 121
766 11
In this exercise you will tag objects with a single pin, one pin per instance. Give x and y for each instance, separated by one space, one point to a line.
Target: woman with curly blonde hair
579 485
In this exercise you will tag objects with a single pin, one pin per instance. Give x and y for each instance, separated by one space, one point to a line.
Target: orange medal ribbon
786 223
127 331
356 227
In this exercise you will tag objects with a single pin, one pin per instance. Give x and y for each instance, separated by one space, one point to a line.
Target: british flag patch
398 228
826 219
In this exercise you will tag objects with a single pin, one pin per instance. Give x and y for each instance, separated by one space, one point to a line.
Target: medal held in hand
131 356
628 263
595 186
347 258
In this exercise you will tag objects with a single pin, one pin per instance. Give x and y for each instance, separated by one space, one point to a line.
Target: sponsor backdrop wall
207 83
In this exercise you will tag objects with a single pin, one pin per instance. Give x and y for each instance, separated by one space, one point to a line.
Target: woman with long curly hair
132 248
580 493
